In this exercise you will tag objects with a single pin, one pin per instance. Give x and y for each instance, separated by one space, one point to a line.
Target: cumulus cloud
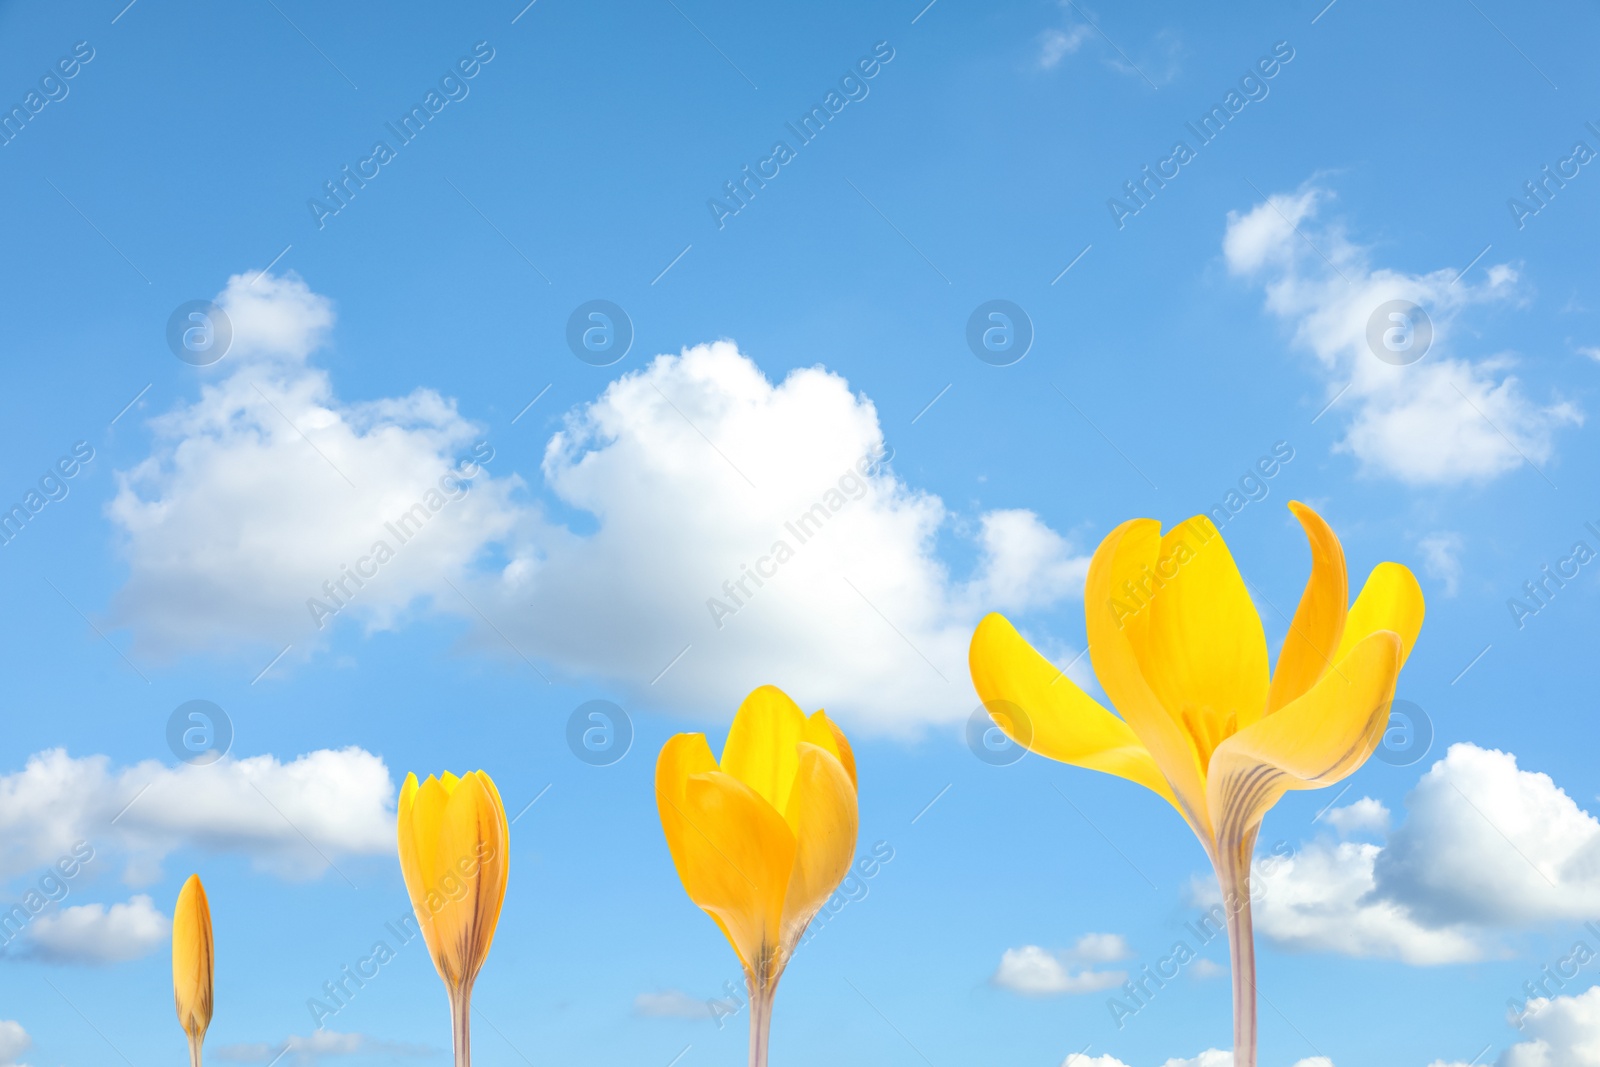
94 933
734 529
318 1045
1444 420
269 486
14 1041
1441 559
1485 847
293 818
1364 816
1036 972
1563 1032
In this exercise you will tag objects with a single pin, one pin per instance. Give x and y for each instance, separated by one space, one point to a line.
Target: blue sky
1368 155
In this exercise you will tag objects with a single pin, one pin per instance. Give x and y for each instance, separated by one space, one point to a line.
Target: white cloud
1564 1032
268 485
1099 948
1441 559
1055 45
1204 968
1364 816
676 1004
1592 351
1444 420
292 818
14 1041
1485 847
1209 1058
1035 972
686 476
93 933
318 1045
1488 843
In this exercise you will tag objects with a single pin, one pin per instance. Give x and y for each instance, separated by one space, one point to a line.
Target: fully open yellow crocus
193 961
453 841
762 838
1177 645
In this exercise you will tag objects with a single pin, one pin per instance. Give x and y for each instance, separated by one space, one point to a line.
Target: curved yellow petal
193 959
1205 654
1313 637
1118 625
733 851
821 731
1317 740
760 750
1391 600
1063 722
823 814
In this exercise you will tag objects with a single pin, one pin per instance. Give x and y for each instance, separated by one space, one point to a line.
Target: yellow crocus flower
453 840
193 961
762 838
1177 645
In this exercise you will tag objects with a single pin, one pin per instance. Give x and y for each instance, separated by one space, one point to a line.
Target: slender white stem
1233 876
461 1025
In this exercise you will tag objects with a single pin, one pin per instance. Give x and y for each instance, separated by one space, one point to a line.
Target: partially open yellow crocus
1177 645
453 840
762 838
193 960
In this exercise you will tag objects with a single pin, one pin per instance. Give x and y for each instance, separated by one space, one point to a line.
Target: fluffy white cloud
1446 419
1364 816
1035 972
1485 847
268 486
293 818
14 1041
1488 843
1564 1032
752 528
94 933
1441 559
319 1044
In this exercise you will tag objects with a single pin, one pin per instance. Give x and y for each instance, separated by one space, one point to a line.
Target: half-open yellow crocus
193 961
1177 645
762 838
453 843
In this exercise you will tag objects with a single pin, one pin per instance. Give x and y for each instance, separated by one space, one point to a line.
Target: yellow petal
821 731
1317 740
760 750
1117 636
193 958
1391 600
1313 638
1060 721
823 815
733 850
1205 654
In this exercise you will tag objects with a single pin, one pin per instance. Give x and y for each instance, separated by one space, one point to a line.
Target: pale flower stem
461 1025
195 1041
1233 877
762 997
